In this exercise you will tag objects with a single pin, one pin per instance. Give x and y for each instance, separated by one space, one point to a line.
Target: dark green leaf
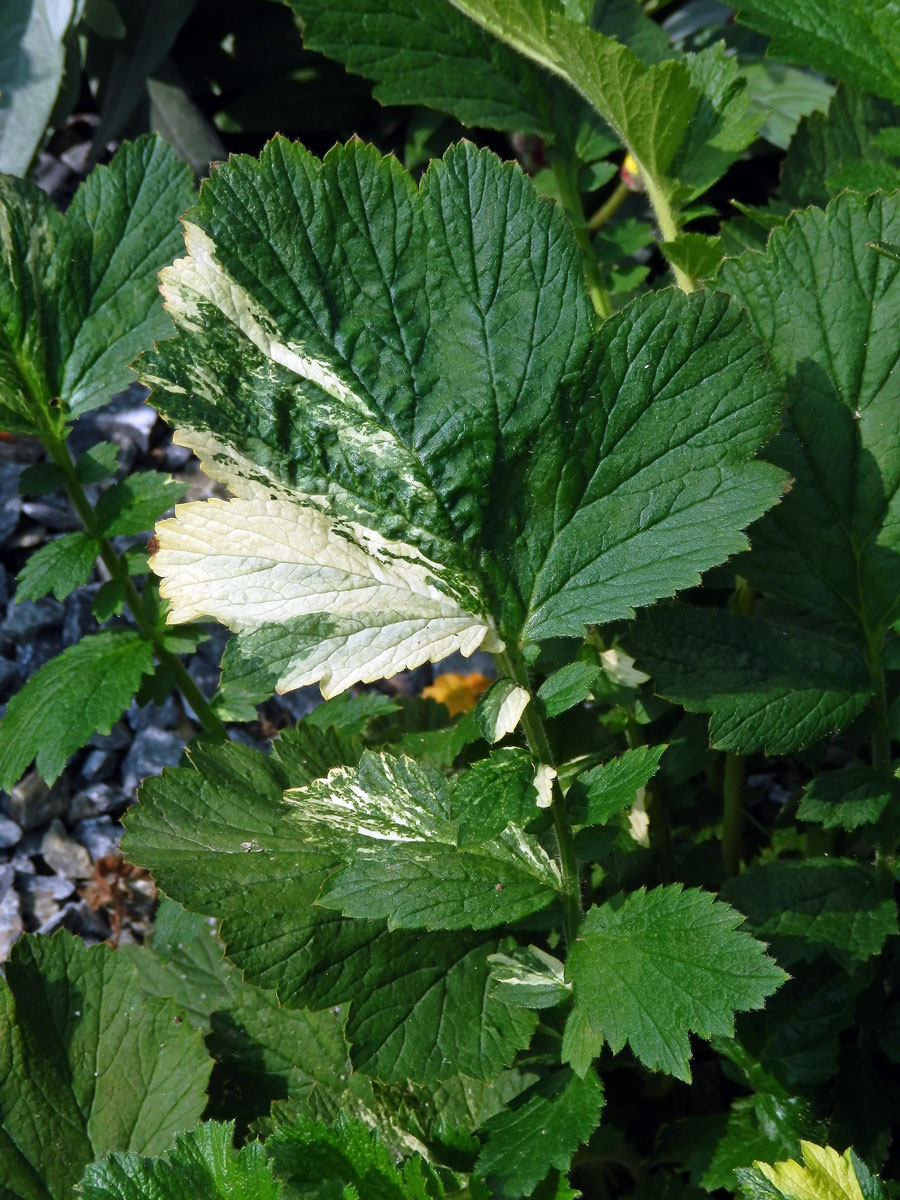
696 254
351 714
78 295
424 52
202 1163
758 1127
796 1039
136 560
685 120
865 177
766 686
216 840
650 108
889 1032
845 799
184 640
621 239
724 122
394 824
97 463
183 960
423 1007
888 139
265 1053
441 747
541 1130
650 967
347 1160
82 691
40 478
29 229
120 228
857 41
231 702
819 906
828 309
568 448
568 686
713 1147
133 504
102 17
846 133
580 1043
600 793
626 21
592 178
109 600
493 793
310 751
59 567
79 1074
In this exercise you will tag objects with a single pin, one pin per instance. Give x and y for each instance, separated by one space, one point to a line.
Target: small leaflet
824 1174
529 977
500 709
543 785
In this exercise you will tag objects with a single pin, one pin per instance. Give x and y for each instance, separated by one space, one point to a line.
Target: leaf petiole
510 663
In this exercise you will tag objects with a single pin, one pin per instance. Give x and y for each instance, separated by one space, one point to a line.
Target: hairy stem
511 664
743 601
59 452
668 225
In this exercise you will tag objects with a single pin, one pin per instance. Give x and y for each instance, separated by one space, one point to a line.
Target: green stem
880 744
732 812
609 207
881 738
665 218
59 451
743 601
571 200
511 664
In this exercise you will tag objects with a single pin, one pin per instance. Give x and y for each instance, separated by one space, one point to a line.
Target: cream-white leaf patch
620 668
200 277
639 819
510 712
265 561
393 822
543 785
384 799
356 810
529 978
500 709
